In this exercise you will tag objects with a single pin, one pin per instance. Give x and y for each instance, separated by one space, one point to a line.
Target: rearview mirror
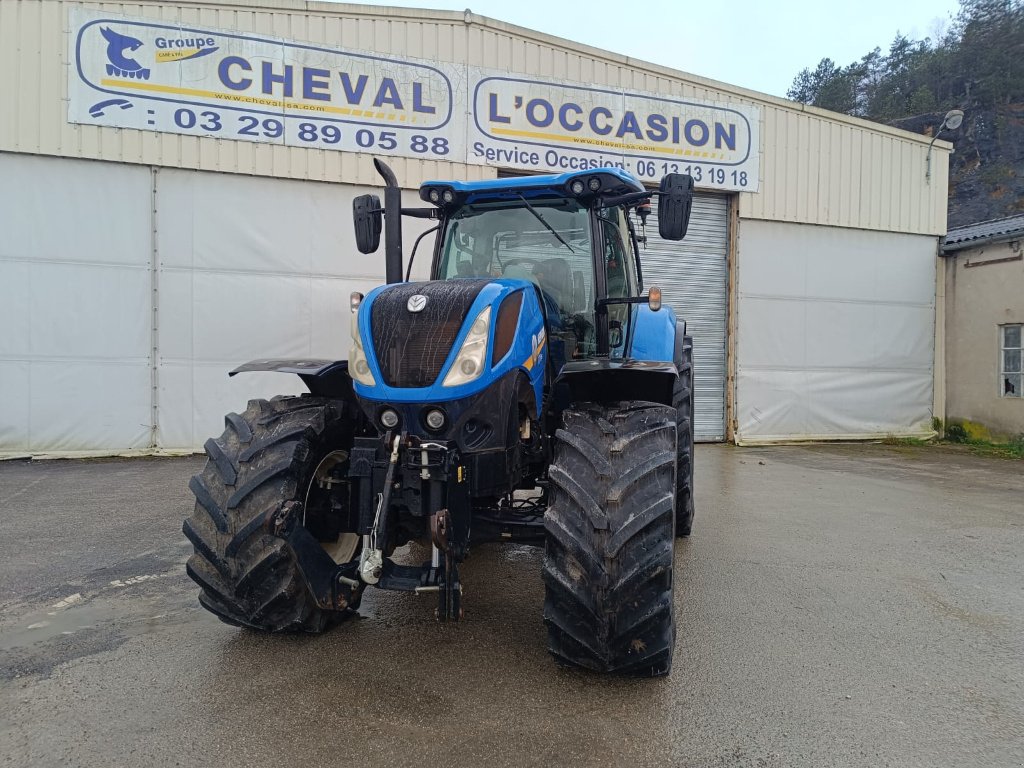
674 204
368 218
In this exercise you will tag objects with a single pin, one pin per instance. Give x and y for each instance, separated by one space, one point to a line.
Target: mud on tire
265 456
610 536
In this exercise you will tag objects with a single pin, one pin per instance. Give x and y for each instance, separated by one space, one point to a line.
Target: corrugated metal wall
33 54
693 275
820 171
815 168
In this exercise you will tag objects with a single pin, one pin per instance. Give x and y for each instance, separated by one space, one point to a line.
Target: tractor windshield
546 242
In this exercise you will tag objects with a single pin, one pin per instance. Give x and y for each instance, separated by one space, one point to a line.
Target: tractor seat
555 279
518 272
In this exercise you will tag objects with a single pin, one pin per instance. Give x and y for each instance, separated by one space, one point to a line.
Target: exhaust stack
393 223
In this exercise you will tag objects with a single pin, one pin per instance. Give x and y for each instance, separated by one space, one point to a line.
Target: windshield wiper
547 226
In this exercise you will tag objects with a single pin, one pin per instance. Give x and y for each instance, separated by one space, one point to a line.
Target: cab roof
613 182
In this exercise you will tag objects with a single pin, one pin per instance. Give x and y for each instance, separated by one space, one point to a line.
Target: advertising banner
139 74
159 76
543 125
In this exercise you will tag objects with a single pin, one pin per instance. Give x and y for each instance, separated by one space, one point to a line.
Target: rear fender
608 380
323 378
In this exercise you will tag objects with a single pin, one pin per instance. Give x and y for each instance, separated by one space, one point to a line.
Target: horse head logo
120 65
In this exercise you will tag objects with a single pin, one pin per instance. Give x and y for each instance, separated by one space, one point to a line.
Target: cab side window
620 269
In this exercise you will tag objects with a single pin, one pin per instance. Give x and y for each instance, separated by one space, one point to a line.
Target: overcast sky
757 45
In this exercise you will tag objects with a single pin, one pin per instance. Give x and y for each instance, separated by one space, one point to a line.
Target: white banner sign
538 124
139 74
135 73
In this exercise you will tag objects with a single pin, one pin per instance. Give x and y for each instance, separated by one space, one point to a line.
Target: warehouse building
176 182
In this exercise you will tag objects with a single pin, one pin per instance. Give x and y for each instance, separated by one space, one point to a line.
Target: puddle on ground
116 605
42 626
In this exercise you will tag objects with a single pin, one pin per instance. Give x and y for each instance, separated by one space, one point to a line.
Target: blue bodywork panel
653 335
527 353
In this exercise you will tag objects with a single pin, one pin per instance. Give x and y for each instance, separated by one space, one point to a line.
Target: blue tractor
529 392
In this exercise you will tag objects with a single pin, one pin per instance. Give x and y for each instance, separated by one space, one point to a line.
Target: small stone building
985 324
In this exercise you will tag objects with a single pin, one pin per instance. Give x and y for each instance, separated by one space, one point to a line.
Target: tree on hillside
979 62
991 49
828 87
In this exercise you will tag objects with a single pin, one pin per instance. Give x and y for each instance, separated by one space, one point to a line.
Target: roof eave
963 245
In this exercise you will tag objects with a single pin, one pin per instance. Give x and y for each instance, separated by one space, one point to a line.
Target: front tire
266 456
608 556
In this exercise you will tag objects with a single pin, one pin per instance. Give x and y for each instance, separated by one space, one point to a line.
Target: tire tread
247 577
608 558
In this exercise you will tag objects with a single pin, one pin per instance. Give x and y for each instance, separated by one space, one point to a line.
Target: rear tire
608 558
266 455
682 401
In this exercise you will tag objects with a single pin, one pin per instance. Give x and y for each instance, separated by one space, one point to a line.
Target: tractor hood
446 339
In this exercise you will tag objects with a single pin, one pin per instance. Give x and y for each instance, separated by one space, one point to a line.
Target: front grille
411 347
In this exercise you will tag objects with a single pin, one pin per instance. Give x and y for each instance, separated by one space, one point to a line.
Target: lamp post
953 119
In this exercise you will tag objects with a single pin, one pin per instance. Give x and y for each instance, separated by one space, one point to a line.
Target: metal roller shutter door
693 275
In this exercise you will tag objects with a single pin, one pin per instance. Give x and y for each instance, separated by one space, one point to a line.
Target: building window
1010 371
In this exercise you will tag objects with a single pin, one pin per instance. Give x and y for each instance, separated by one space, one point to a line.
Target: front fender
323 378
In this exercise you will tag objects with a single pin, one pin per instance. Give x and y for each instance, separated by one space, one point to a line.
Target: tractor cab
539 231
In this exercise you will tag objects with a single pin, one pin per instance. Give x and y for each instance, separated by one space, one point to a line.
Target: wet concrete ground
850 605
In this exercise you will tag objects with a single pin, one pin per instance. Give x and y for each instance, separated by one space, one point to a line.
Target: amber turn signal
654 298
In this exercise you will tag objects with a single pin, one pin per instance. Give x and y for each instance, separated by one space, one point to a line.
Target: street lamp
953 120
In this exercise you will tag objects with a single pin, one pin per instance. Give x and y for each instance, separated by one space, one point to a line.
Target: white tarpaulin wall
75 339
127 294
836 332
250 268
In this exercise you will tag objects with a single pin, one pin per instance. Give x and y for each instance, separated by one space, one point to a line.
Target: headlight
435 419
469 363
358 367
